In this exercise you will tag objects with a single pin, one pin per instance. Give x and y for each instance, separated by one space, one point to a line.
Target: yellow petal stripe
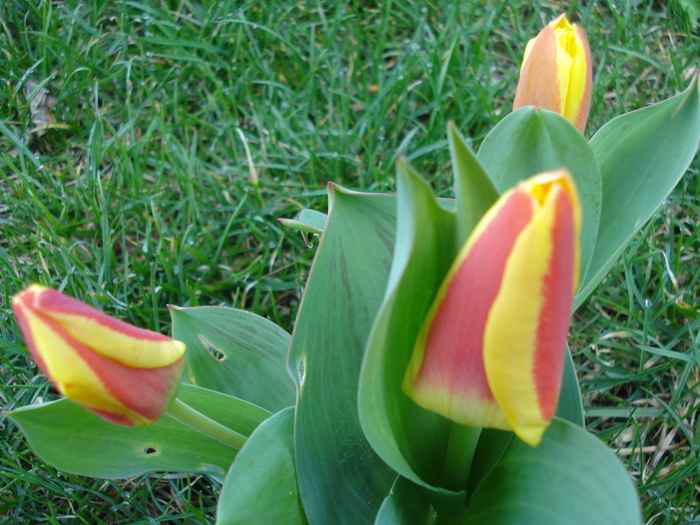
525 337
106 335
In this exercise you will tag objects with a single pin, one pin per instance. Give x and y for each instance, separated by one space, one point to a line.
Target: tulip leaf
307 222
74 439
570 405
262 480
412 440
237 353
406 504
531 140
474 191
571 478
341 479
642 156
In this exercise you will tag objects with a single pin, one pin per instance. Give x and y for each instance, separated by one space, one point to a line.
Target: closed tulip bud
491 350
556 72
124 374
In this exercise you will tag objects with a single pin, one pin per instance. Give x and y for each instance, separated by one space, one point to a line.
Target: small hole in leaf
148 451
301 370
215 352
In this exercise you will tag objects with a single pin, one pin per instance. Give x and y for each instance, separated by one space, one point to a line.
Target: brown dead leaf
40 106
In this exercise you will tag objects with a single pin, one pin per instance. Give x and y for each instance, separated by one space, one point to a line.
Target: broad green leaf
237 353
474 190
529 141
642 156
571 478
341 479
74 439
413 441
406 504
261 486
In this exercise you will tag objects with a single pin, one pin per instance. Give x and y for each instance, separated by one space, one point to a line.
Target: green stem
187 415
458 459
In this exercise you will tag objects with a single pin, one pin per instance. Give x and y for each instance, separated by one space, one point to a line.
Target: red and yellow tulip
124 374
491 350
556 72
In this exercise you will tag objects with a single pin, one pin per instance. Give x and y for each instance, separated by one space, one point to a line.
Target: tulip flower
124 374
491 349
556 72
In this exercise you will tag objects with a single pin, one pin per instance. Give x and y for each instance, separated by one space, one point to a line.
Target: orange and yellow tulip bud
491 350
124 374
556 72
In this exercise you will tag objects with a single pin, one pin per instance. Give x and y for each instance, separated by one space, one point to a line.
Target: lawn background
184 130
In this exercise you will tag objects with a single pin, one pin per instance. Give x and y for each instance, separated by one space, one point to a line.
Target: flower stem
187 415
458 459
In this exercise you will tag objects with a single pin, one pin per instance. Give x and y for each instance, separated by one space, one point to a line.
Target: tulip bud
556 73
124 374
491 350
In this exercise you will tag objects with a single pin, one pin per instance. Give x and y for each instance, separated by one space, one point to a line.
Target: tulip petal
525 337
446 373
538 74
110 337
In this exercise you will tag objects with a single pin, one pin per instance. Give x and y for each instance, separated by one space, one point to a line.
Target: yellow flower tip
561 24
532 435
540 186
125 374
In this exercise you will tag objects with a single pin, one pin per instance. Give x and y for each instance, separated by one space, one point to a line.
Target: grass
184 131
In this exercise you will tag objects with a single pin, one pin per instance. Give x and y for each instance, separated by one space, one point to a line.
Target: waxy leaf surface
406 504
571 478
341 479
237 353
642 156
262 481
73 439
